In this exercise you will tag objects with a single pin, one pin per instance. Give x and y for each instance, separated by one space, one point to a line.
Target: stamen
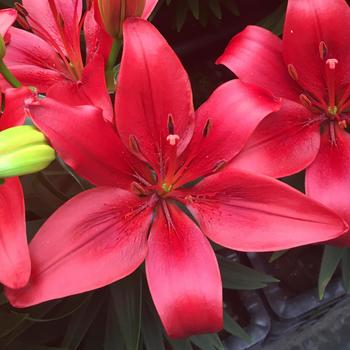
305 101
167 188
172 139
171 124
293 72
21 9
138 189
323 50
333 110
332 62
134 144
207 128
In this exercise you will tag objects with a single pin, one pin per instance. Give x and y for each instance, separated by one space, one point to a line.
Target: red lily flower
310 70
50 58
104 234
14 253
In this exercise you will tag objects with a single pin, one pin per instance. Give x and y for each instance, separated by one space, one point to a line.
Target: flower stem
6 73
113 55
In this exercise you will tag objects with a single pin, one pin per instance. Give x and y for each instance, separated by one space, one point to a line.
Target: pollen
173 139
332 62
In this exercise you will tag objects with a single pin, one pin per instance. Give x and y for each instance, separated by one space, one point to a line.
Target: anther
172 139
305 101
292 72
134 144
207 128
171 124
323 50
219 165
332 62
189 198
343 124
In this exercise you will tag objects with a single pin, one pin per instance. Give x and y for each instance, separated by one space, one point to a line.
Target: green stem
6 73
113 55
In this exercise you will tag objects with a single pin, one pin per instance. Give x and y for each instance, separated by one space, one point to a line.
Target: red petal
308 22
14 113
247 212
91 90
227 119
7 18
149 7
285 143
33 61
327 178
85 141
152 84
98 42
96 238
183 276
255 56
14 254
60 29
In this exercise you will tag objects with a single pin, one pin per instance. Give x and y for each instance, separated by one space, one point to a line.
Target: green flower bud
23 150
2 47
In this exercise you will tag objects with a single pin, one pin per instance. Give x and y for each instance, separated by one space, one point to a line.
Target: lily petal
91 90
327 178
14 113
14 254
149 7
308 23
183 276
284 143
7 18
33 61
223 125
255 56
94 239
152 88
85 141
248 212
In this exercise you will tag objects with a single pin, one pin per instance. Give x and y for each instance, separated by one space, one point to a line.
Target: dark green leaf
114 339
345 267
127 300
181 13
275 255
194 6
231 326
231 6
215 7
330 260
275 21
237 276
207 342
9 321
182 344
82 320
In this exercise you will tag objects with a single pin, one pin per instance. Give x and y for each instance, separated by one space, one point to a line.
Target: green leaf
237 276
207 342
330 260
181 14
275 21
231 326
127 300
9 321
345 267
275 255
113 337
82 320
152 330
194 7
180 344
231 6
215 7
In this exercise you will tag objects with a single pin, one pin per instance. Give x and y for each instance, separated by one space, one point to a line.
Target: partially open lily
141 209
310 69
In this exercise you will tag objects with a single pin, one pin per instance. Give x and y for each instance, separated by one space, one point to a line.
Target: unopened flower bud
23 150
112 13
2 47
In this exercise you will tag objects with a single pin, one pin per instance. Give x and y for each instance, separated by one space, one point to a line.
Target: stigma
173 139
332 62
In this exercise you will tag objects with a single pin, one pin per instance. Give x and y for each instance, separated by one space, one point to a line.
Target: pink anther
332 62
172 139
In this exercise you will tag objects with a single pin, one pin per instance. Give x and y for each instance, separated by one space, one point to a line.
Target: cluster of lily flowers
167 178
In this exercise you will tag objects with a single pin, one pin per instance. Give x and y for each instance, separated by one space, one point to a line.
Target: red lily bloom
310 70
14 253
104 234
50 58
